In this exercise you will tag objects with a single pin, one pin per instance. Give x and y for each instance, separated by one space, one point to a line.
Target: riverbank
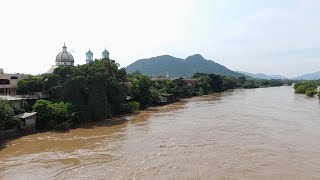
102 128
15 133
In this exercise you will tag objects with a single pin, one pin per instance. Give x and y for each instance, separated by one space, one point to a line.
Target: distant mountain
176 67
263 76
311 76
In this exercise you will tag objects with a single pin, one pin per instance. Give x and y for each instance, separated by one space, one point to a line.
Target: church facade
65 58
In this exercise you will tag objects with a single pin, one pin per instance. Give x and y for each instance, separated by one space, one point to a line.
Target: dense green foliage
79 94
95 91
159 91
139 89
306 87
30 85
53 115
100 90
208 83
7 119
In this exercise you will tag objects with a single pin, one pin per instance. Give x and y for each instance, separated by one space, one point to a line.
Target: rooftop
11 98
25 115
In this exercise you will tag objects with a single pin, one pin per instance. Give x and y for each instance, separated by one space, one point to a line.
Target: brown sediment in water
242 134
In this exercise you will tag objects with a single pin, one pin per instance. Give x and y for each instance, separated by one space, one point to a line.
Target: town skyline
268 37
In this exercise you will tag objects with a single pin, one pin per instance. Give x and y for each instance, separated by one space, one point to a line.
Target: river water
267 133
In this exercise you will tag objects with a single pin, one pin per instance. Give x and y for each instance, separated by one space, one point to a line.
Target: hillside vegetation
176 67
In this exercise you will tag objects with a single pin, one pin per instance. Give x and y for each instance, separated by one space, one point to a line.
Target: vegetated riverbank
309 88
101 90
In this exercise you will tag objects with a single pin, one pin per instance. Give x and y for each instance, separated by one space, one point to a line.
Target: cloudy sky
268 36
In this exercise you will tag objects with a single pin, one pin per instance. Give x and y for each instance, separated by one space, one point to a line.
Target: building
15 102
64 58
190 83
9 83
29 120
89 57
105 54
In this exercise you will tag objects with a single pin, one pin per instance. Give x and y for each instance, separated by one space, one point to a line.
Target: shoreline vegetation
309 88
102 90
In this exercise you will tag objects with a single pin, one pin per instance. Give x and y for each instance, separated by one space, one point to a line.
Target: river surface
267 133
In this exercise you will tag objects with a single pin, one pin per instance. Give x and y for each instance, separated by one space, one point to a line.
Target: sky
257 36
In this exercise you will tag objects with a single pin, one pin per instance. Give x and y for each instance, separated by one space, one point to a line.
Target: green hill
176 67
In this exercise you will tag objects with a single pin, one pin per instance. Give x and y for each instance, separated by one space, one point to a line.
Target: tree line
101 89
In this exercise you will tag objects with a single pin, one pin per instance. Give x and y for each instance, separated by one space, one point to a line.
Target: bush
6 115
200 92
53 115
14 123
311 93
134 106
250 85
301 89
306 87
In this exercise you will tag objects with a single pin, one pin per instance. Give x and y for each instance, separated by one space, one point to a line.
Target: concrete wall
31 122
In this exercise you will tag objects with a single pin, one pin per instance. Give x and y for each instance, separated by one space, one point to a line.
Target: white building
9 83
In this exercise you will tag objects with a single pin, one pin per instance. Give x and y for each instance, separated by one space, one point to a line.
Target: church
65 58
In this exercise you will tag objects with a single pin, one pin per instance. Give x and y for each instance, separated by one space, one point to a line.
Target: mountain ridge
177 67
263 76
309 76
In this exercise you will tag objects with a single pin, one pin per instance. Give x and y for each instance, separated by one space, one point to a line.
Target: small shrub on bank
311 93
134 106
130 107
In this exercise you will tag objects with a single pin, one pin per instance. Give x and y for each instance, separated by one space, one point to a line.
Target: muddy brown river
267 133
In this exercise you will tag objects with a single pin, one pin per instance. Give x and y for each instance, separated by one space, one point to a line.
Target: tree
215 83
43 113
229 83
98 105
96 90
306 87
203 85
140 89
75 93
30 85
53 115
6 113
